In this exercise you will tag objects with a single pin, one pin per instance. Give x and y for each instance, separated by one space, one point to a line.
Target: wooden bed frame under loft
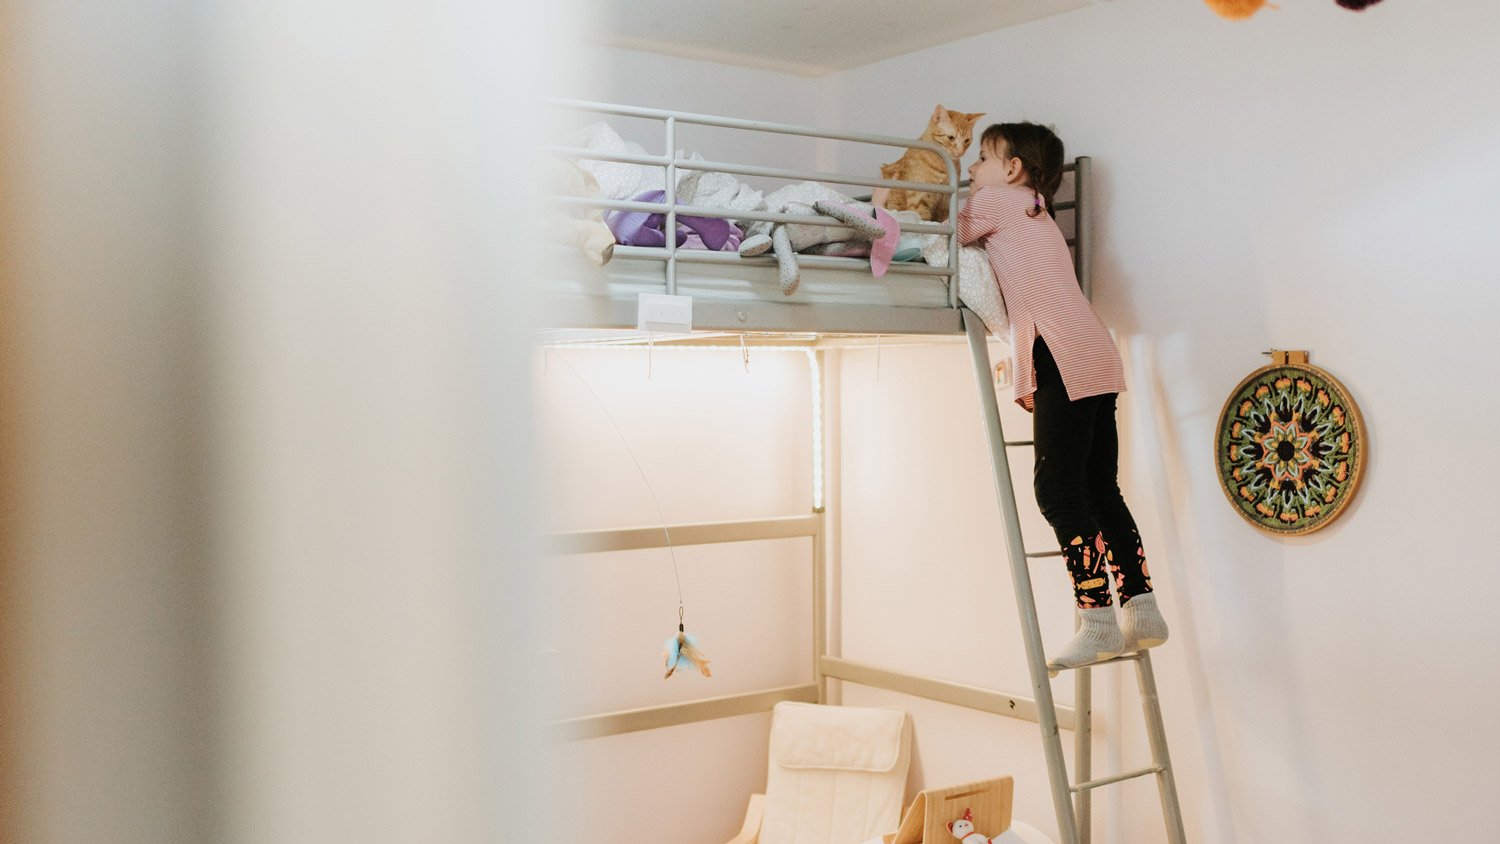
818 327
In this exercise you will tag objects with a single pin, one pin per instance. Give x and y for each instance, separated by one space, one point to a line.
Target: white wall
1310 179
714 443
649 80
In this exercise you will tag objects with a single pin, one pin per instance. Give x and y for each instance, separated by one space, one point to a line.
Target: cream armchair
837 775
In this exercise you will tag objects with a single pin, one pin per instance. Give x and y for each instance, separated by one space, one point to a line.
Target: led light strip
816 378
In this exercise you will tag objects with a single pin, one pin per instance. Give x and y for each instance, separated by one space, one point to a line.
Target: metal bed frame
820 323
780 315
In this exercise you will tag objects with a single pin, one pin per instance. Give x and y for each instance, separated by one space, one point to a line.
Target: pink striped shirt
1041 293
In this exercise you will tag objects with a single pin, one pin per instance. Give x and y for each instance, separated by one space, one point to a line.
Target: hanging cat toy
682 648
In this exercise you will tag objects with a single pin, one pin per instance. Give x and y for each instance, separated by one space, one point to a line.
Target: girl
1068 375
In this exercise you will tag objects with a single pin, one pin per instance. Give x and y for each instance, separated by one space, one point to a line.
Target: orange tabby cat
952 130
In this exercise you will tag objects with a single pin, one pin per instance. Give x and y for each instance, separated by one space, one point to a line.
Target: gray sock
1098 638
1142 624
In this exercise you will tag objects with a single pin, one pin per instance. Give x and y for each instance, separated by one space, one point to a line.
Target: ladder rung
1032 555
1020 442
1085 786
1110 661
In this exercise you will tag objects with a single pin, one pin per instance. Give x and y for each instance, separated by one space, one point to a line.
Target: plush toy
646 228
963 830
583 228
862 222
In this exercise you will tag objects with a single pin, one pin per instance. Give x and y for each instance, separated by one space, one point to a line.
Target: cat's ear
937 113
974 117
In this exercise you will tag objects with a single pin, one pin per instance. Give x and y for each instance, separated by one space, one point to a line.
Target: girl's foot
1098 638
1142 626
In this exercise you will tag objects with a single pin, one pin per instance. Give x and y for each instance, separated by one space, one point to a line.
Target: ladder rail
1166 785
1072 803
1083 751
1031 631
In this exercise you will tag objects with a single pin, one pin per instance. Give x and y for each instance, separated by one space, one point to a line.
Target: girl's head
1024 154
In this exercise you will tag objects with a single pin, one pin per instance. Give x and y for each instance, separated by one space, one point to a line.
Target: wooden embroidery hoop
1296 360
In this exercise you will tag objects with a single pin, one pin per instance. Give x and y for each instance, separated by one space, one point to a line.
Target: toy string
654 500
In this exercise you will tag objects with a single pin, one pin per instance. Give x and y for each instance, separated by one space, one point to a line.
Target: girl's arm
979 217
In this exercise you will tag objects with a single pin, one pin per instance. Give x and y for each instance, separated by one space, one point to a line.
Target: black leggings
1077 457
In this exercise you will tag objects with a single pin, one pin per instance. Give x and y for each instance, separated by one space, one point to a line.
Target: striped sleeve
979 217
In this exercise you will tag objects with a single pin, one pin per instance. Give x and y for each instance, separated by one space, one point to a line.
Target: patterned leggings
1077 455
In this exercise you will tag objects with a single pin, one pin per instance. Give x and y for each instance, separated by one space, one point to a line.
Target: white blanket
977 286
619 180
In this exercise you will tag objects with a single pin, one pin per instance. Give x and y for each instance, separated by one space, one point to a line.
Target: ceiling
808 37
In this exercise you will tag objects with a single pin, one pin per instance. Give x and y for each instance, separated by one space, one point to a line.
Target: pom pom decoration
1240 9
683 648
1235 9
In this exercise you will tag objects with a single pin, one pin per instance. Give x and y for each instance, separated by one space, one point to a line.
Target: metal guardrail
670 255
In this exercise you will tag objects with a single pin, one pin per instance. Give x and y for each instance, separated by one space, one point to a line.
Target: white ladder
1074 816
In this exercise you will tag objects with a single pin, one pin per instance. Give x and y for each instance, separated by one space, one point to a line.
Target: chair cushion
807 735
837 773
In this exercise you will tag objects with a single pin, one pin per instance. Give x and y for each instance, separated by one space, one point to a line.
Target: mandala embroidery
1289 448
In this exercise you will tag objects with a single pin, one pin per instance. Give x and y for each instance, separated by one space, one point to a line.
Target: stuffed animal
583 228
647 228
963 830
862 220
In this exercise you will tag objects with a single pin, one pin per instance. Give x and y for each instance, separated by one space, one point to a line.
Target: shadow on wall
1244 702
1123 318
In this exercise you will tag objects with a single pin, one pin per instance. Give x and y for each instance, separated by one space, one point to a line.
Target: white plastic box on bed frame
838 297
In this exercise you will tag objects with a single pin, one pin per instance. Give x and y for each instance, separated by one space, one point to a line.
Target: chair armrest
750 832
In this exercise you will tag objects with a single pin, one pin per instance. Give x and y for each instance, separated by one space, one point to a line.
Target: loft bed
738 300
838 296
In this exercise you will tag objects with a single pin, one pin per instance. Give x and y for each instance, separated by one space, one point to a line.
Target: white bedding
619 180
977 286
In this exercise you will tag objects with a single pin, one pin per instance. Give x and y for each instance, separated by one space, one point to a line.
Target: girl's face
996 167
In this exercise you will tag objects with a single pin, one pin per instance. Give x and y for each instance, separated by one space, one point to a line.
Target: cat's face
953 130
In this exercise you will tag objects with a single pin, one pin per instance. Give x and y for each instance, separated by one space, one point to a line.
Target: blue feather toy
683 649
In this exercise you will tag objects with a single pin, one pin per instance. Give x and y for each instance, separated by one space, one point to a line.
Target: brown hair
1041 154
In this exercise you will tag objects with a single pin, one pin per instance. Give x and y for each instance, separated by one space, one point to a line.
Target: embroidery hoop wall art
1290 447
